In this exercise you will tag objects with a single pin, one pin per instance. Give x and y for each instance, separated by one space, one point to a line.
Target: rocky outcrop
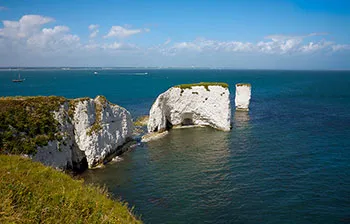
202 104
67 134
242 99
100 128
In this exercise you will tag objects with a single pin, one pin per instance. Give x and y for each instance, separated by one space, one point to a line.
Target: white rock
60 154
191 106
242 99
153 136
82 138
115 124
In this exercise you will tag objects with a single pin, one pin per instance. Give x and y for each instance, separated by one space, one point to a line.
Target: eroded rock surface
202 104
64 133
243 94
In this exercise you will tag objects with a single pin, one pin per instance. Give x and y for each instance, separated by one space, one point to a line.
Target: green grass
243 84
204 84
33 193
141 121
27 122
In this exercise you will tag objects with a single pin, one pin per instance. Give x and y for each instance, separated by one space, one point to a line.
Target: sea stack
242 99
193 105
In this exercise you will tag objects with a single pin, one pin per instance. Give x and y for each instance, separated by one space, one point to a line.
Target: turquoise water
286 161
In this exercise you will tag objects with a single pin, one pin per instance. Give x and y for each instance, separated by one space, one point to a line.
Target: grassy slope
33 193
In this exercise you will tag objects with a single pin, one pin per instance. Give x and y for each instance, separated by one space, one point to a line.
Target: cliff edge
63 133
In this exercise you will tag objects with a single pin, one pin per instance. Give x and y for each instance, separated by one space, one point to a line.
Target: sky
265 34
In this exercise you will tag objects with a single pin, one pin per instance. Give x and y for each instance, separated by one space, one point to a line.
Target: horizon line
157 67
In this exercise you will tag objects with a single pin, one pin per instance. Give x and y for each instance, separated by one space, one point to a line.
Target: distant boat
19 79
146 73
95 73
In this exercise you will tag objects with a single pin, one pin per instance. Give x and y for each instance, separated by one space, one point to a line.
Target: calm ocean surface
286 161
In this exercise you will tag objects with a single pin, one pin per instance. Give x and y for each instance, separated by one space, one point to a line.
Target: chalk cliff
242 99
77 133
202 104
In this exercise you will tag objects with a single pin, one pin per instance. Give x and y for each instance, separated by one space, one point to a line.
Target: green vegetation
141 121
204 84
33 193
73 103
101 102
195 93
243 84
27 122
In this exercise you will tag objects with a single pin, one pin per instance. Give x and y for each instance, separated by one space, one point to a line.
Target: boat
19 79
95 73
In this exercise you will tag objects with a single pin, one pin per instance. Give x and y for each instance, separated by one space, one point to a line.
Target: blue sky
253 34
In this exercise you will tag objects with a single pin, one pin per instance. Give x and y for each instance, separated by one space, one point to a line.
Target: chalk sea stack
199 104
243 94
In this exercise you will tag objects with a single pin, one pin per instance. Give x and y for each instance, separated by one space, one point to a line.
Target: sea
287 160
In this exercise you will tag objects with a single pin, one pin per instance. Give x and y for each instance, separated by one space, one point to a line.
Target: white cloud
121 32
341 47
25 27
2 8
167 41
33 39
120 46
94 30
312 47
94 33
93 27
55 30
202 44
53 39
277 44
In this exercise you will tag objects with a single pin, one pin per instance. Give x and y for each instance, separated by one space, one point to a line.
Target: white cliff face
196 105
59 153
114 128
242 99
96 130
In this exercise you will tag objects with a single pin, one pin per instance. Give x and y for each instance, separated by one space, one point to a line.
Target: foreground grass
33 193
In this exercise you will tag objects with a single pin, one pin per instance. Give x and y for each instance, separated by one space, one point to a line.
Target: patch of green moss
243 84
141 121
33 193
204 84
27 122
195 93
